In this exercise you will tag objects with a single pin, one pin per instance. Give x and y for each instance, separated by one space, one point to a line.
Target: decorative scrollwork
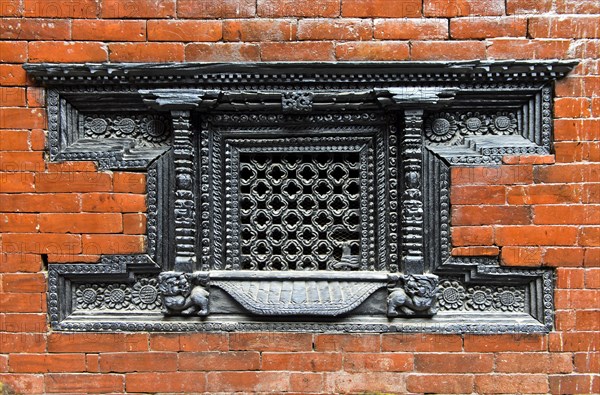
296 101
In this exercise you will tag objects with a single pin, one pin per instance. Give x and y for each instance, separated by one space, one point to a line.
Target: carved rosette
297 101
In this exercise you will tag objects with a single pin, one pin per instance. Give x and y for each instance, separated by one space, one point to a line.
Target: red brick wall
540 211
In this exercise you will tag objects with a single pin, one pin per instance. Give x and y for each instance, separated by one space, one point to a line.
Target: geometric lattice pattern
299 211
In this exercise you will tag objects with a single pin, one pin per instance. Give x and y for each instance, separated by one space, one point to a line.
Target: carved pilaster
184 206
412 194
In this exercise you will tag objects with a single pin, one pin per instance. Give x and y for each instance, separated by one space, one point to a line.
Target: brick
25 322
533 363
20 302
528 159
22 342
446 383
372 50
147 52
83 383
588 320
72 167
377 362
498 384
564 320
207 361
73 182
11 75
42 363
592 278
306 382
249 30
222 52
577 299
52 258
303 361
113 244
67 52
575 26
575 341
589 236
66 9
189 342
37 243
475 251
587 362
527 6
129 182
472 27
134 224
502 175
19 262
23 383
216 9
136 9
454 363
365 383
472 236
452 8
347 343
567 214
577 151
38 140
509 342
113 202
109 30
21 118
14 140
591 257
381 8
421 342
35 29
182 31
271 341
301 8
577 7
247 382
411 29
33 203
576 129
487 215
21 162
12 97
16 182
11 7
334 29
24 283
165 382
97 342
572 107
521 48
306 51
521 256
36 97
447 50
563 256
535 235
3 363
81 223
138 362
543 194
18 223
577 86
13 52
572 384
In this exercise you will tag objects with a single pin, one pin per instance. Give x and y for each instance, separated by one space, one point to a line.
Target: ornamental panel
299 197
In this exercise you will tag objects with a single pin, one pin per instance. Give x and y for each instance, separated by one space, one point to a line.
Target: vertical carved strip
185 205
382 203
393 194
412 194
205 201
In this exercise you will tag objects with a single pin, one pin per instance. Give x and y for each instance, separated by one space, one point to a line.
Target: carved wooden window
299 196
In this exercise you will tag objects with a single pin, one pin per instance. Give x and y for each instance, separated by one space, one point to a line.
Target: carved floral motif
147 129
451 127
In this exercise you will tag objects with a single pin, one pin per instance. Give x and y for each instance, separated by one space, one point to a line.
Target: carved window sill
299 196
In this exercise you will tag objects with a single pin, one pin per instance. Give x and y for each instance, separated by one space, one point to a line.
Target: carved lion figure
417 297
180 296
